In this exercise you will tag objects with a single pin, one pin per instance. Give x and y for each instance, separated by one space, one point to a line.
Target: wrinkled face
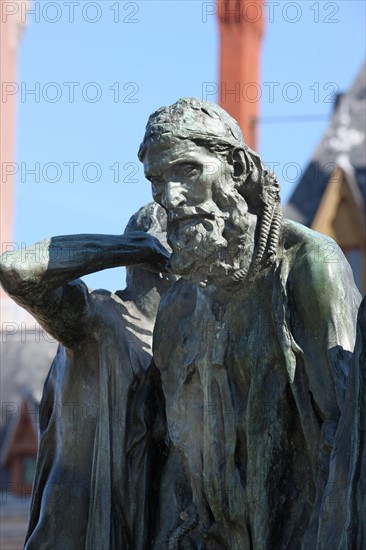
181 173
185 178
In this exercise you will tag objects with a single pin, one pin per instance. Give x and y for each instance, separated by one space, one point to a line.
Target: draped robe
254 380
343 513
93 477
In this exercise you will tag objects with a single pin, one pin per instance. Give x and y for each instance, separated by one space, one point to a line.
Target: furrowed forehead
160 154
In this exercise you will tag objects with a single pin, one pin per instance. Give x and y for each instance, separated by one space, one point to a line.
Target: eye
190 170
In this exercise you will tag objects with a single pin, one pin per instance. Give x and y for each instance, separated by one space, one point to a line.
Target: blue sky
99 69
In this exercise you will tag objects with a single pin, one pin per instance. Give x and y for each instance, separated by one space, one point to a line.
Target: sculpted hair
210 126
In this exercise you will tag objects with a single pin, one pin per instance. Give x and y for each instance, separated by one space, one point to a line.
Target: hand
152 254
158 255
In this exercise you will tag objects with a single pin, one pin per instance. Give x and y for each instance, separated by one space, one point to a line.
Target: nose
173 195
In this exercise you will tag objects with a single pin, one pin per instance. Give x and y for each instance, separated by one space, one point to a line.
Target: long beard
209 248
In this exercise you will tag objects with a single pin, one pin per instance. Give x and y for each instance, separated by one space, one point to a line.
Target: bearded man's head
212 186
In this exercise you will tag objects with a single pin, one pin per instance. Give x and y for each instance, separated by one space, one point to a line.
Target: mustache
193 212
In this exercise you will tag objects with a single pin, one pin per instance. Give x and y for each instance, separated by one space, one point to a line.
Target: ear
240 163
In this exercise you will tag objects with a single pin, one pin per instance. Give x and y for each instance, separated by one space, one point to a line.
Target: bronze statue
254 366
233 437
99 411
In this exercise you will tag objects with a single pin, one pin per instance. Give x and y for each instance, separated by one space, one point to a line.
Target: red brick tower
11 27
241 24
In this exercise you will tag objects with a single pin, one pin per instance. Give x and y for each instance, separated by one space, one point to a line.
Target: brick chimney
241 24
11 27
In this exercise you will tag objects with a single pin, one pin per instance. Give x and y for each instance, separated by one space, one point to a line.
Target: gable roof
343 146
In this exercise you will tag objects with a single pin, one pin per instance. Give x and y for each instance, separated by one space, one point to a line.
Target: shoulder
317 266
314 253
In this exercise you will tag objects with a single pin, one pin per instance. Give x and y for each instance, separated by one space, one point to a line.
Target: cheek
200 190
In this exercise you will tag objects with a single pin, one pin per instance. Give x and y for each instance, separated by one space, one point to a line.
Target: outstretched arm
54 262
38 277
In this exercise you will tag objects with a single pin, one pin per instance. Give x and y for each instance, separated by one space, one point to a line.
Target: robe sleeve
42 278
323 304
